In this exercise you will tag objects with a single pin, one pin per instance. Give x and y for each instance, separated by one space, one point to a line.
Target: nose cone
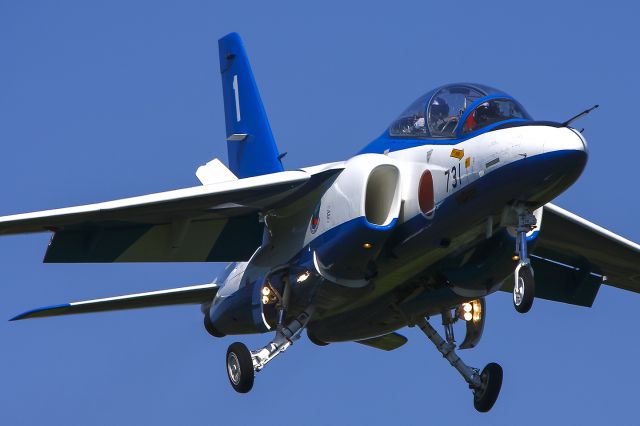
562 162
566 139
567 148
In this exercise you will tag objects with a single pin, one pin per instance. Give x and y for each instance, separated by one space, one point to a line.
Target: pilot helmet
485 112
439 108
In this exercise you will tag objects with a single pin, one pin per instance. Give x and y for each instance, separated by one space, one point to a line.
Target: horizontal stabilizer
176 296
386 342
214 172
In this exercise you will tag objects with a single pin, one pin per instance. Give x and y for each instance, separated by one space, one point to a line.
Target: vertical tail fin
250 144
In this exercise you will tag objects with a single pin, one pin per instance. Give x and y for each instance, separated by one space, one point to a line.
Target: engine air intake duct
365 204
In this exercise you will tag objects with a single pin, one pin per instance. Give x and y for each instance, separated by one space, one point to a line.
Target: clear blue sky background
103 100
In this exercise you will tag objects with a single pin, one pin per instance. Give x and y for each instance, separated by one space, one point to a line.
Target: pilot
439 110
439 116
487 113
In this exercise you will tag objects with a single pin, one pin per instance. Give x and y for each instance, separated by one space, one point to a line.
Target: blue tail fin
252 149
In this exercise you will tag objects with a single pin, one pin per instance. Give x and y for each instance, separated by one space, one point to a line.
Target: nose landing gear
524 285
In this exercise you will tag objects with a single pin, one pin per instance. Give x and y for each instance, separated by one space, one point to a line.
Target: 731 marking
454 177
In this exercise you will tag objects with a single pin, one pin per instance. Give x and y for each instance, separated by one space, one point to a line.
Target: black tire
210 328
528 293
486 396
240 367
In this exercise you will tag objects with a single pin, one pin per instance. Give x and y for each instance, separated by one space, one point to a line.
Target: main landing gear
242 364
485 385
524 286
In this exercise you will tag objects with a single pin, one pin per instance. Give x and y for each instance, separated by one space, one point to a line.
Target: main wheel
486 396
240 367
524 289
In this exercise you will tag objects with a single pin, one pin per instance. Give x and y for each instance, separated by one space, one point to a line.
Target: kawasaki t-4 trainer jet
449 205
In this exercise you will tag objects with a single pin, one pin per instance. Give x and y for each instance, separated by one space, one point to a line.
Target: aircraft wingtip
33 313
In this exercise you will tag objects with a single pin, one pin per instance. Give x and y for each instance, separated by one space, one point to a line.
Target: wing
608 254
573 257
175 296
217 222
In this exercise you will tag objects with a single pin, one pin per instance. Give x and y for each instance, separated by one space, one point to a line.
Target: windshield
411 122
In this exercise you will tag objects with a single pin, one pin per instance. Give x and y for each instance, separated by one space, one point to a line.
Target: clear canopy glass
493 111
438 114
447 106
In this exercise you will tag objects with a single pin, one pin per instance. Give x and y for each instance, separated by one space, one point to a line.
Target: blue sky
113 99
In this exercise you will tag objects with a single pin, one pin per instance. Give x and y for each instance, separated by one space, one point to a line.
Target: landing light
470 311
303 277
269 294
367 245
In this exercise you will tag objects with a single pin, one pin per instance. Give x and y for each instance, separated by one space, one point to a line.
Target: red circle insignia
426 198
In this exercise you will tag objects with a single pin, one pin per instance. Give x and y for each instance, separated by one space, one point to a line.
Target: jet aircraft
449 205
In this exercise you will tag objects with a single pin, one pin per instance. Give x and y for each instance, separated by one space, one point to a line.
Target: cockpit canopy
454 110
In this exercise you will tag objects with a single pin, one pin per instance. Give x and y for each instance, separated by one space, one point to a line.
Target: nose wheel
523 288
524 285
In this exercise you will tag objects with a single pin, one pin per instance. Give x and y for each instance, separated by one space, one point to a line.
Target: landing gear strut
242 364
524 286
485 385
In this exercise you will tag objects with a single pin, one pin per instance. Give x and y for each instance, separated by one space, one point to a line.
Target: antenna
575 117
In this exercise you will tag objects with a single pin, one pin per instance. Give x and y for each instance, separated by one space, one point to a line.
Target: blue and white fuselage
448 205
406 209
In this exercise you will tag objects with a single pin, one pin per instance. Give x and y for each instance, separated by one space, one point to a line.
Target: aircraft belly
377 318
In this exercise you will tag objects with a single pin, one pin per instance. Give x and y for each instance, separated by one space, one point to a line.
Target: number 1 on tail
237 96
